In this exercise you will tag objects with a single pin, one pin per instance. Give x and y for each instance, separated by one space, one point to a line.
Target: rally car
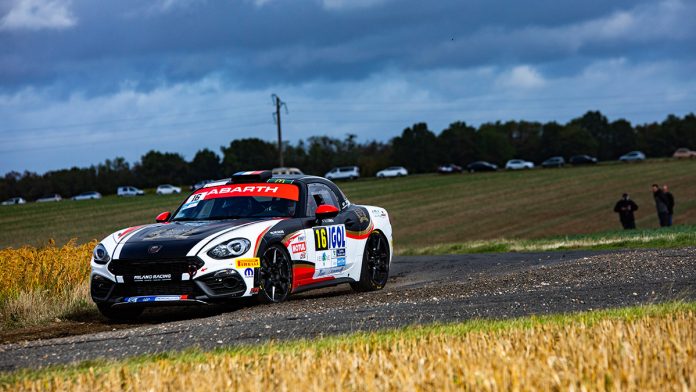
254 234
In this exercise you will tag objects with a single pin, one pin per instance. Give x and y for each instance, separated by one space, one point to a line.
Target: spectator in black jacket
670 203
625 208
660 205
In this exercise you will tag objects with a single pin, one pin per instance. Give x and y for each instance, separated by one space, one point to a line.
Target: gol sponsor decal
253 262
299 247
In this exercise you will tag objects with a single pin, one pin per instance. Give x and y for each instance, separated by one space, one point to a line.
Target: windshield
240 201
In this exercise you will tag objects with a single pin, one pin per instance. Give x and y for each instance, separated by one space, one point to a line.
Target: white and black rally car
253 234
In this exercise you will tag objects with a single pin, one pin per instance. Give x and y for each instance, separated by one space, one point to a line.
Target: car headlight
101 255
232 248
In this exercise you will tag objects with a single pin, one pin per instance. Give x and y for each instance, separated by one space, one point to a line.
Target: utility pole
278 103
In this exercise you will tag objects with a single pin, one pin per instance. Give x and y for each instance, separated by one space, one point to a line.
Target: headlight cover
232 248
101 255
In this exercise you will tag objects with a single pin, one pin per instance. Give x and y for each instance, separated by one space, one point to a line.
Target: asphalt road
421 290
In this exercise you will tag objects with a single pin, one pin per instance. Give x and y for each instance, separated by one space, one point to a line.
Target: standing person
660 205
625 208
670 203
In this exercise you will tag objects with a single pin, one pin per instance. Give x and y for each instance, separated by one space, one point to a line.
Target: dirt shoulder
421 290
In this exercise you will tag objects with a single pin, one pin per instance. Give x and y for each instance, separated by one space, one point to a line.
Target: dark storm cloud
296 41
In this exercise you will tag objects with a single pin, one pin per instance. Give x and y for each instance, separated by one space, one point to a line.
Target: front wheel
375 264
276 275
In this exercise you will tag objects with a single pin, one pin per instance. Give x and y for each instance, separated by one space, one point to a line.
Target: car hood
175 239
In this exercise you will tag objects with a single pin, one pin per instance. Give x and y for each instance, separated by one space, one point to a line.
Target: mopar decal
330 237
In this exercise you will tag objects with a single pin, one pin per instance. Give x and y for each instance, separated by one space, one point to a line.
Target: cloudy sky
82 81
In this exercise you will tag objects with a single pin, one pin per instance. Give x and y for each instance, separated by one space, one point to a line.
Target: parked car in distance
684 153
481 166
129 191
88 196
393 171
449 169
633 156
553 162
13 201
53 197
582 160
286 171
343 173
518 164
200 184
167 189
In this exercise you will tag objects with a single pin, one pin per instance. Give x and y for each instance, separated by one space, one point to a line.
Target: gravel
422 289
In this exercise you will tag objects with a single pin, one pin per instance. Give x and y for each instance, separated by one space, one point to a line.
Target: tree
416 149
493 145
248 154
158 168
204 166
457 144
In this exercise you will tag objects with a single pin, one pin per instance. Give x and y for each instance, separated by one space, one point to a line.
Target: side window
320 194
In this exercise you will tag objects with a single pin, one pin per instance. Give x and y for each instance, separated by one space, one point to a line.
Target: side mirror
325 211
163 217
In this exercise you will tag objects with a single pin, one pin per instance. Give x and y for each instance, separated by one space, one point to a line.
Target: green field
425 210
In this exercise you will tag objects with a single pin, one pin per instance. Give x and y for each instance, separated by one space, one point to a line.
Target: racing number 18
321 238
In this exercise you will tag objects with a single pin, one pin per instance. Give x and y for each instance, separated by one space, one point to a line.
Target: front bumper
163 281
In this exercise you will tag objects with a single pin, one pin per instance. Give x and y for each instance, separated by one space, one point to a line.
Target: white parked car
167 189
53 197
343 173
393 171
13 201
87 196
519 164
632 156
286 170
129 191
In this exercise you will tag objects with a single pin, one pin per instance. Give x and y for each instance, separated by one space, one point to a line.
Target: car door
327 242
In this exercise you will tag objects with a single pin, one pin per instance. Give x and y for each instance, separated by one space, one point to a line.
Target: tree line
418 148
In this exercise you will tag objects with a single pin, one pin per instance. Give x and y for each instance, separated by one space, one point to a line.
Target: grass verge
671 237
638 348
42 284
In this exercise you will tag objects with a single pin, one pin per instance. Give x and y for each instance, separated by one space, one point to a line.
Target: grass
42 284
639 348
424 209
672 237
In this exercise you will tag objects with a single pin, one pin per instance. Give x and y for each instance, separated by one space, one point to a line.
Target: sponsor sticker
249 272
299 247
253 262
155 298
330 237
285 191
152 278
341 262
277 232
339 252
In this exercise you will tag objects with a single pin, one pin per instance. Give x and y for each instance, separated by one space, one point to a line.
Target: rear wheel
375 264
275 275
119 313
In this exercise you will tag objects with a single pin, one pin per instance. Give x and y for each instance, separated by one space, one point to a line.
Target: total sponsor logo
299 247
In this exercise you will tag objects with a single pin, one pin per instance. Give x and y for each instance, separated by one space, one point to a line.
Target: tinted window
320 194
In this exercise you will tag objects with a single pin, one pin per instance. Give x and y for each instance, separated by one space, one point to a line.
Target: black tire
275 275
119 313
375 264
